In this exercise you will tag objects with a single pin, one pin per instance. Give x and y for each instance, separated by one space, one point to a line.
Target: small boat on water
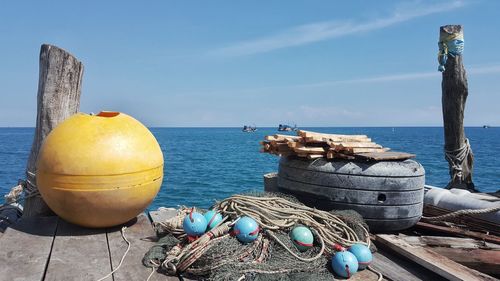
249 129
287 128
486 126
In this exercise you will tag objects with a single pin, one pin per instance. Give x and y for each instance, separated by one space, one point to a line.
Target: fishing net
218 255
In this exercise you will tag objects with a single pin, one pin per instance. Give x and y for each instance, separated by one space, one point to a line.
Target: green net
267 258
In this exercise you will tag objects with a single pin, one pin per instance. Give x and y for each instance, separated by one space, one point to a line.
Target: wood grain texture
25 248
454 96
396 268
78 254
59 89
486 261
450 242
473 222
388 155
433 261
139 233
457 232
162 214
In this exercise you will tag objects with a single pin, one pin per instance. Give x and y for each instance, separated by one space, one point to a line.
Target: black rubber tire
388 194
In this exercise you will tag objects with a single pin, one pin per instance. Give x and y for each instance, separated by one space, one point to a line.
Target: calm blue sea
204 164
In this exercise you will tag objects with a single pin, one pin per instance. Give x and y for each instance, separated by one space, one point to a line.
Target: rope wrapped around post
455 158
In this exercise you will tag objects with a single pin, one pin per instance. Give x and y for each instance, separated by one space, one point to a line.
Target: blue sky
229 63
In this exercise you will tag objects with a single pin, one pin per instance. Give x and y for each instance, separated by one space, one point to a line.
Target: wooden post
455 91
59 88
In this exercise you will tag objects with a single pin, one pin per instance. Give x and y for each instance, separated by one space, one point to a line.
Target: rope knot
456 158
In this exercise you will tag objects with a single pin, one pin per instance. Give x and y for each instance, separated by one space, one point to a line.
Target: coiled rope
272 214
456 158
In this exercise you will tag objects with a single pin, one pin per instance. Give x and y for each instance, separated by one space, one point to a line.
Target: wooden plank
432 260
25 248
162 214
458 232
449 242
279 137
357 150
320 139
388 155
314 156
473 222
141 236
397 268
354 144
486 261
309 150
306 134
78 254
282 147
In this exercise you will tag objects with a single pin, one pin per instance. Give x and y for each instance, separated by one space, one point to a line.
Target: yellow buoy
99 170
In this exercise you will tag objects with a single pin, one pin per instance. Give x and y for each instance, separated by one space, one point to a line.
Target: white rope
456 158
14 194
153 269
123 257
380 276
464 212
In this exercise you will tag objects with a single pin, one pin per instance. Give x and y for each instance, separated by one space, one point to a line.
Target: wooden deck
51 249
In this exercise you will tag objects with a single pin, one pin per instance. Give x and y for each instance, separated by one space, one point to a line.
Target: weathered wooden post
457 148
59 88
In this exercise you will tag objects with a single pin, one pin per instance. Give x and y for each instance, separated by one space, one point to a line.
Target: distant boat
486 126
249 129
287 128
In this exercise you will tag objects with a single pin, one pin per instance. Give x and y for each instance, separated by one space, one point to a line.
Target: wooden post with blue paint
454 95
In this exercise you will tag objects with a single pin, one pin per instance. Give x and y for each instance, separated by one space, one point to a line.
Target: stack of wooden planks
314 145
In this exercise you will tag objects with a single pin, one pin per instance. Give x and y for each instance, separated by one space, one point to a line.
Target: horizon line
271 127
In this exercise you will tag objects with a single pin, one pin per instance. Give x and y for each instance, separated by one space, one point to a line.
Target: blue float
213 218
246 229
194 224
345 264
362 253
302 238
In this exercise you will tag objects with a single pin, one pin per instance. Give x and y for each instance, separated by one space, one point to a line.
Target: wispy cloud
319 31
474 70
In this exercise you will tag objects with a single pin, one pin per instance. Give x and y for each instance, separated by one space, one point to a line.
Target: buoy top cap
108 114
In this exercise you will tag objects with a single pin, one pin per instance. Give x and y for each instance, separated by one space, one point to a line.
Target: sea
203 165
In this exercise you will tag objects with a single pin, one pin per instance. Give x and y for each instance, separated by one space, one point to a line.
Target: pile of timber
314 145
